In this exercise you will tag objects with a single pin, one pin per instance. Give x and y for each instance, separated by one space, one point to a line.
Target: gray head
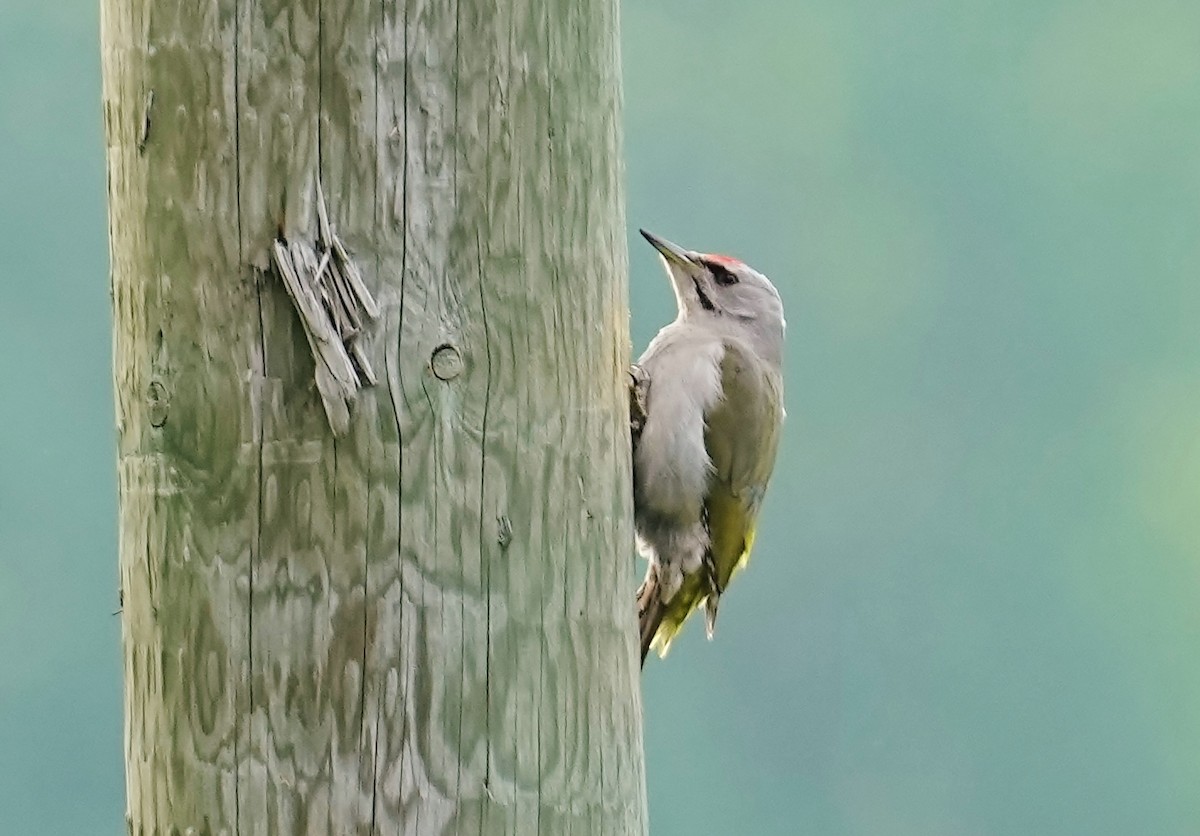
725 292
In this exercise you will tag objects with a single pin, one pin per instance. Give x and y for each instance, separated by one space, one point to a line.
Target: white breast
673 466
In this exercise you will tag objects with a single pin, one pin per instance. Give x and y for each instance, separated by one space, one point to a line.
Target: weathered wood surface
424 626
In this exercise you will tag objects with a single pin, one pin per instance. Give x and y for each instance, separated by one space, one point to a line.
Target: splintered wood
329 294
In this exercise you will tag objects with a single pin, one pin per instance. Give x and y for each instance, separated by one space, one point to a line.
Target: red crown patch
724 259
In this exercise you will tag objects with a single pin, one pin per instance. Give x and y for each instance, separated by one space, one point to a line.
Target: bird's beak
686 272
674 254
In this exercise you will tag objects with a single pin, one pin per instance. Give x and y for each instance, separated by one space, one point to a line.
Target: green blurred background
975 603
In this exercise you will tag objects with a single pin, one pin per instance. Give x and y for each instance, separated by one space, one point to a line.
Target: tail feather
710 613
713 598
650 610
659 623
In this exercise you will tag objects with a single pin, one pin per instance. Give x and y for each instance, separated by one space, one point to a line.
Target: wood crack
332 300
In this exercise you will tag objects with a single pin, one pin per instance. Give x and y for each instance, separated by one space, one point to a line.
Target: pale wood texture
425 625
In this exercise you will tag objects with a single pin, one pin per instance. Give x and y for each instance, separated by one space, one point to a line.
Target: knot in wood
446 362
157 402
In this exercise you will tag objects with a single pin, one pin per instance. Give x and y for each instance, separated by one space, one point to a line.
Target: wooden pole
347 607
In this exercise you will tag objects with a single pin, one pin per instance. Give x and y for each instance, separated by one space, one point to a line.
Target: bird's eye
723 275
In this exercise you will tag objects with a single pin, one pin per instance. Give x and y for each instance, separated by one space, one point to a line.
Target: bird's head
722 288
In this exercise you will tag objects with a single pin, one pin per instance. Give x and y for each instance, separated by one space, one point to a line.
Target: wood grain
424 626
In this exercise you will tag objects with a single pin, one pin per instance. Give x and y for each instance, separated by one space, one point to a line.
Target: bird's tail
651 610
659 623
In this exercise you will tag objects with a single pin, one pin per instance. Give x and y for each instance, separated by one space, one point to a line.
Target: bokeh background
975 603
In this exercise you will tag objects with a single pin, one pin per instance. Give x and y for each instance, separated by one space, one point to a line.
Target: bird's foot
639 389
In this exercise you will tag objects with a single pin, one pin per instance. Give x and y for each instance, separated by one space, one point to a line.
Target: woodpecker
709 388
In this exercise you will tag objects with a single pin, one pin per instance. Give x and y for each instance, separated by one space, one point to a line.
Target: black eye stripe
722 274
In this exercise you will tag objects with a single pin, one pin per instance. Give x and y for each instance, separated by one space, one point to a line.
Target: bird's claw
639 388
